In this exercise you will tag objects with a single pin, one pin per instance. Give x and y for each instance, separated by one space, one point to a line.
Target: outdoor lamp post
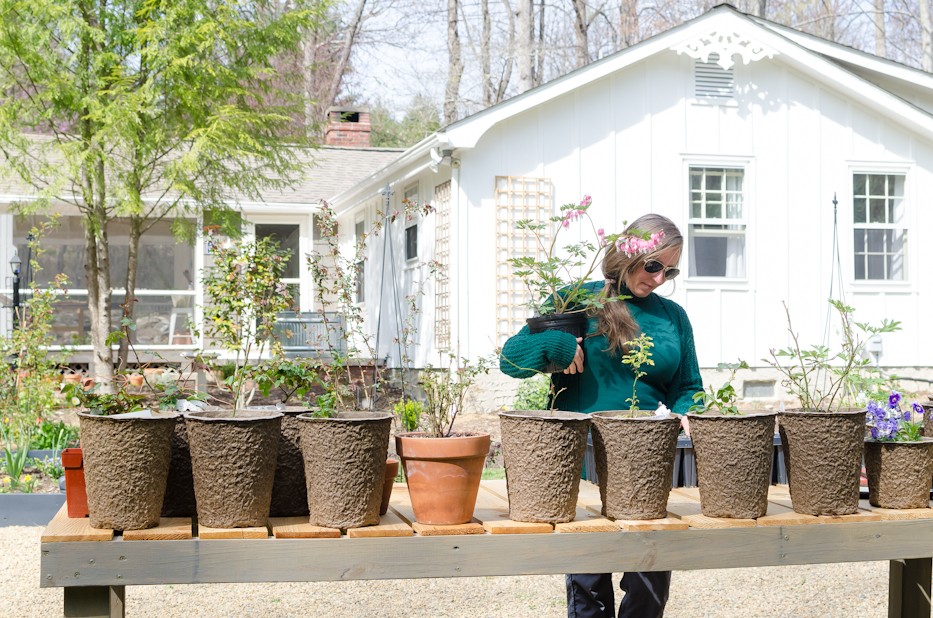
15 264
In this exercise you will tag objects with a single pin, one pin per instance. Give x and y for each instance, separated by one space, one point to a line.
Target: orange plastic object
75 489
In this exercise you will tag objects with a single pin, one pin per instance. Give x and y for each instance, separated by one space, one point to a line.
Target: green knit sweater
606 383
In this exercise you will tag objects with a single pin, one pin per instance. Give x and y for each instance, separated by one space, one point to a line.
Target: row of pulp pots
543 453
235 470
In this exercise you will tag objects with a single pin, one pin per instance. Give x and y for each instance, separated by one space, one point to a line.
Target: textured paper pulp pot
388 484
126 462
289 489
733 459
823 454
899 473
345 464
635 463
443 475
233 461
179 491
543 454
928 419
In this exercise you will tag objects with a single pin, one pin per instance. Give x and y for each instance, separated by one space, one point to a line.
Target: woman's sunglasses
654 266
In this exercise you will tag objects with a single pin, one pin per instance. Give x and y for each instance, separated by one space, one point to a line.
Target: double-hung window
880 236
716 226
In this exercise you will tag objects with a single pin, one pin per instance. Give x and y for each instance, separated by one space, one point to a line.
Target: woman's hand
685 423
577 365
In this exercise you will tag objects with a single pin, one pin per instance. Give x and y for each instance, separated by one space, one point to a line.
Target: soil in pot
345 466
899 473
635 463
179 490
543 455
126 461
233 460
823 454
443 475
733 459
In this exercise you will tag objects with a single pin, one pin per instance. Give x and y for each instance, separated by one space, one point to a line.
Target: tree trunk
581 45
525 45
762 8
506 76
97 272
129 300
484 54
346 48
455 68
629 29
926 37
880 38
540 48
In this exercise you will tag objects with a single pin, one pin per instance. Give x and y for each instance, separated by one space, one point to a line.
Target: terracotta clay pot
823 454
733 459
345 464
443 474
126 460
179 490
899 473
388 484
233 462
75 486
635 463
543 454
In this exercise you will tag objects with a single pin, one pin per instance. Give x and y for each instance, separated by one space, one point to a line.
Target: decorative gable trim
725 44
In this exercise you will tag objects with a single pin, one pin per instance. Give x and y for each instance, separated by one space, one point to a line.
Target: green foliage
408 412
533 393
50 467
295 377
823 379
15 454
638 354
420 120
176 101
445 390
102 403
245 293
55 436
722 398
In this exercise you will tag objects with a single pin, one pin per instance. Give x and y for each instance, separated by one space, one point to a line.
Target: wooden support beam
95 602
909 588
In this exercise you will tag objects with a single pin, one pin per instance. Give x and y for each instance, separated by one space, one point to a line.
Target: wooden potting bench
95 566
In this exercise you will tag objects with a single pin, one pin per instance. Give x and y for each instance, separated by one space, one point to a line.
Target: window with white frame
716 226
880 236
411 231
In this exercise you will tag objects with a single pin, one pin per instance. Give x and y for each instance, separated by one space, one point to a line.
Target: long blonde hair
615 319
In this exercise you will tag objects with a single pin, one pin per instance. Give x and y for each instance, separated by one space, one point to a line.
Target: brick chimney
349 128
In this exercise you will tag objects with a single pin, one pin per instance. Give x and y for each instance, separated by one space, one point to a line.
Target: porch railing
311 332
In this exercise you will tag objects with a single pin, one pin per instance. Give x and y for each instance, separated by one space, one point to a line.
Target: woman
595 379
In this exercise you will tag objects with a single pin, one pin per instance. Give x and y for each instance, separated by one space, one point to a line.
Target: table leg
95 601
909 588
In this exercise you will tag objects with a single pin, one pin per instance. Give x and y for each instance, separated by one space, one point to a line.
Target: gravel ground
824 591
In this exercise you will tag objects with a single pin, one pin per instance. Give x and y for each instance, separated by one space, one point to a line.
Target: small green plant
533 393
103 404
723 398
445 390
15 453
50 467
54 436
408 413
888 423
638 354
294 377
820 378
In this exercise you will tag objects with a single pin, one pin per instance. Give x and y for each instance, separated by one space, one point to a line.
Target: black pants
591 595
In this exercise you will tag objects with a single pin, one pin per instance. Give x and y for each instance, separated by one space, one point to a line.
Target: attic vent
712 82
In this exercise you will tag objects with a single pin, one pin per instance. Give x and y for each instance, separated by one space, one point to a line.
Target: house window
411 242
879 235
287 238
360 235
716 228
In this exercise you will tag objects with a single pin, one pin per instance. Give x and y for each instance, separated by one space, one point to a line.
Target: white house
798 169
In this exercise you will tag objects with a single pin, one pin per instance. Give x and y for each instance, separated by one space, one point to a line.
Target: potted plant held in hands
734 451
126 451
442 468
898 459
635 449
823 440
234 450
